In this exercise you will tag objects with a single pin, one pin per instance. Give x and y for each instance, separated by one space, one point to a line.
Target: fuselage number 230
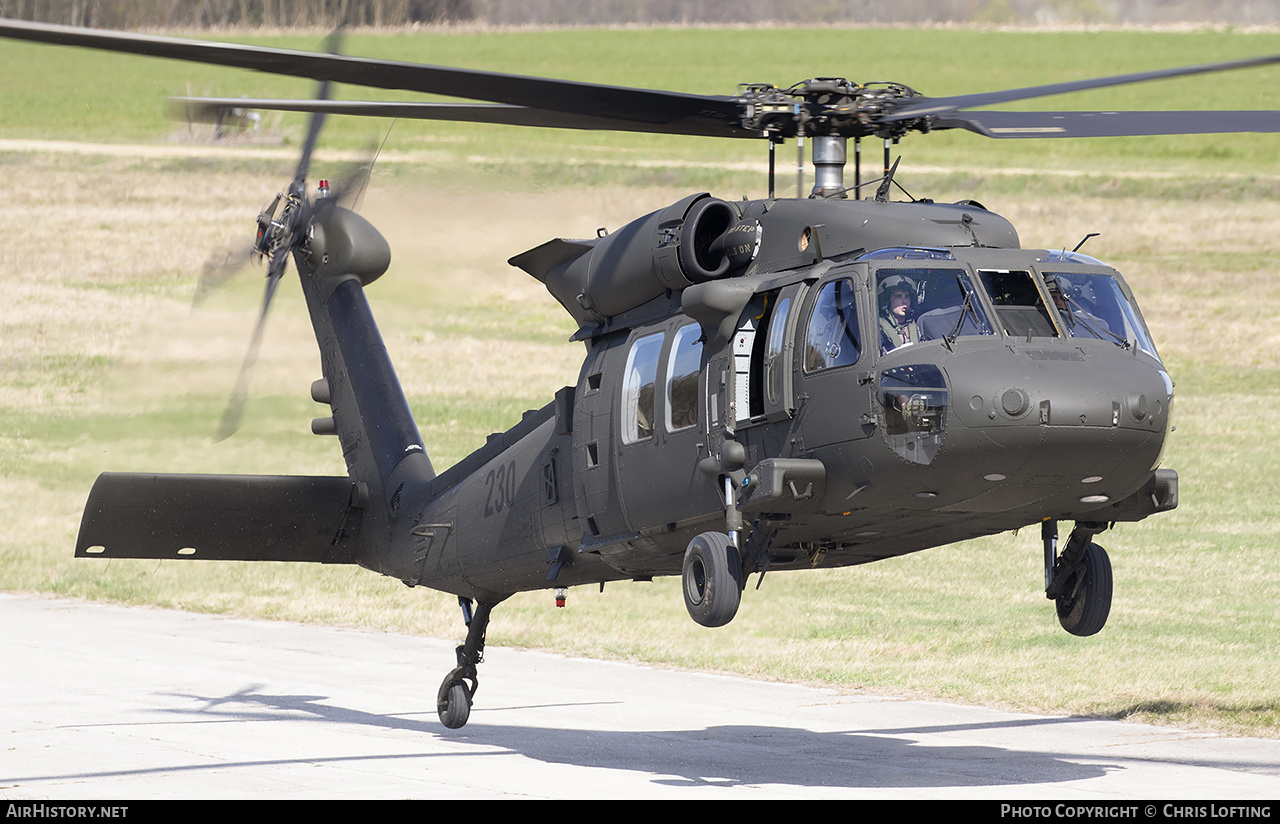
501 483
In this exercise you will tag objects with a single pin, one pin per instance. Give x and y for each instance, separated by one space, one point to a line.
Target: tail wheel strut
458 690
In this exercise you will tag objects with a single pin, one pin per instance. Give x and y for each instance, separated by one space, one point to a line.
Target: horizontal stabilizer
221 518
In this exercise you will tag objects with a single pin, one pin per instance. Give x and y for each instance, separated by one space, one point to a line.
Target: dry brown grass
98 262
1203 271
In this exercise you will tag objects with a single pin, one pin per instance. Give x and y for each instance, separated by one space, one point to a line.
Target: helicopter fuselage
772 401
743 377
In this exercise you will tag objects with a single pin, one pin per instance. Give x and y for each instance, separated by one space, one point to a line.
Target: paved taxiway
114 703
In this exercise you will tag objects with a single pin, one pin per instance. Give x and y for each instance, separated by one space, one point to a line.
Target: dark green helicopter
774 384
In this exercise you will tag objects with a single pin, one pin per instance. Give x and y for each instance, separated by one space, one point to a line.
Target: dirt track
242 150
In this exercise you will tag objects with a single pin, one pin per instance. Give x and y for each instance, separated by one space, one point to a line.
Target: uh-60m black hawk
774 384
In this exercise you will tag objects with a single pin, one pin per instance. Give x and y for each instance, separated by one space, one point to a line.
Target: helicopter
776 384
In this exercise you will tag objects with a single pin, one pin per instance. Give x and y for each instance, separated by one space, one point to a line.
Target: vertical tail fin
371 416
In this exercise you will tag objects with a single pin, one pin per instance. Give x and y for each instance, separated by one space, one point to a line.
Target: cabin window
832 339
774 365
926 303
1093 306
1019 308
682 378
638 398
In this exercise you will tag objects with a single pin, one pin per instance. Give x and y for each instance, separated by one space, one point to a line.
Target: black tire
1084 611
456 708
712 579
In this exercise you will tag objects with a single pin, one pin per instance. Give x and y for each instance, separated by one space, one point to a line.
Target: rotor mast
830 155
828 111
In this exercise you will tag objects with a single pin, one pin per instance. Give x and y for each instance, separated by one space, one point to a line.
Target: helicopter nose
1063 431
1071 389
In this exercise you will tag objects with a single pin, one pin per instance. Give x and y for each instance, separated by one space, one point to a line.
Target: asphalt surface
107 702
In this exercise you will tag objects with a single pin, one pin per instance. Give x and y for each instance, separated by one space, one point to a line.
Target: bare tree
312 14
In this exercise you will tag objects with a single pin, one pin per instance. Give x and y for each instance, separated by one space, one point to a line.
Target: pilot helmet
1058 285
896 283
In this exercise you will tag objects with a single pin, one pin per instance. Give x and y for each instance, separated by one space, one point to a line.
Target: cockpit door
833 360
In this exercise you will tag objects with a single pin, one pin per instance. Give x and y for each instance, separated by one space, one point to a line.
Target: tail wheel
454 705
1084 609
712 579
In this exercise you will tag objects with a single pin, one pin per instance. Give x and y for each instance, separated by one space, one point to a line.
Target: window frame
678 338
631 392
858 328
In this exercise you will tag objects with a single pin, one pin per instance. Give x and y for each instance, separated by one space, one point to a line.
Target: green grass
107 368
60 93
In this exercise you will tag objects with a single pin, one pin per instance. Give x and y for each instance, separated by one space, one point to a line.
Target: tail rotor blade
283 238
332 45
234 415
313 132
349 184
220 268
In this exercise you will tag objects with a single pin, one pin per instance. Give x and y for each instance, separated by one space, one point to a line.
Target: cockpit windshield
923 297
1094 306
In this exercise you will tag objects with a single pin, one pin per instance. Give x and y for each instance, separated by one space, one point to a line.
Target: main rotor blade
924 106
714 113
1109 124
572 104
210 109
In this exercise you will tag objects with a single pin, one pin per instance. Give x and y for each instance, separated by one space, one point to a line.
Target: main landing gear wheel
712 579
1084 606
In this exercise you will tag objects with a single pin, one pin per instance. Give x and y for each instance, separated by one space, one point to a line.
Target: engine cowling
697 239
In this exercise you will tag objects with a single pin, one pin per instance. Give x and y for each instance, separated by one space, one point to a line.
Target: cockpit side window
833 338
925 303
774 365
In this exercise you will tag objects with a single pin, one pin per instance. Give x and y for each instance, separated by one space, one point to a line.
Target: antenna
1086 240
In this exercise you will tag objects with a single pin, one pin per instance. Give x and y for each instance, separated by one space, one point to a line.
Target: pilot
1056 285
897 313
1079 323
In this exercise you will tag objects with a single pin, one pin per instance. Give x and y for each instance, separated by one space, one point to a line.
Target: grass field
106 366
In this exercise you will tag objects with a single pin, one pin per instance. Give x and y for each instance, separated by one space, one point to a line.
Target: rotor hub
828 107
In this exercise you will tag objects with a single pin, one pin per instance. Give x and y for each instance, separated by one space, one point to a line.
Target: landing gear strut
1078 581
453 702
